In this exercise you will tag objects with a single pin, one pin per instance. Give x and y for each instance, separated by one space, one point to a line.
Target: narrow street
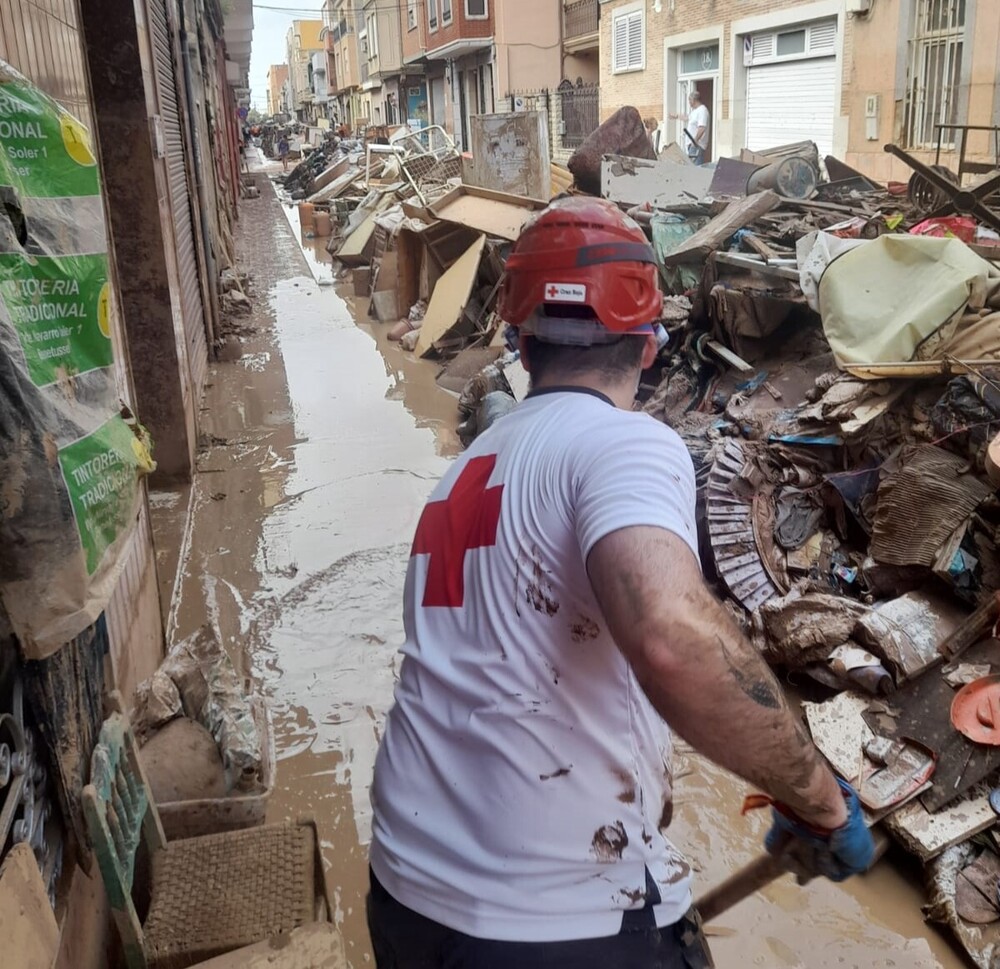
320 443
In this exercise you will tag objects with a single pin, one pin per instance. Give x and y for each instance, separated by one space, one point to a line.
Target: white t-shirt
524 776
698 118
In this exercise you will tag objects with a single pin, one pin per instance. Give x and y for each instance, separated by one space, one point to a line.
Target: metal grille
180 195
935 69
579 113
580 18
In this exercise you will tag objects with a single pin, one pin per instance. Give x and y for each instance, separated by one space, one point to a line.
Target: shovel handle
756 875
751 878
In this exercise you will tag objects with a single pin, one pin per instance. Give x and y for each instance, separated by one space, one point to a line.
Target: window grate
934 73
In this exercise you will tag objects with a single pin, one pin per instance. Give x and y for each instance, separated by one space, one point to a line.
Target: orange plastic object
975 711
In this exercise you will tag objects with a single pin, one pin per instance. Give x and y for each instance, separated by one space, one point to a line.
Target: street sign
243 114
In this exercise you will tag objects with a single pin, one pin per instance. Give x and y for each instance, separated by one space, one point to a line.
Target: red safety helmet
582 252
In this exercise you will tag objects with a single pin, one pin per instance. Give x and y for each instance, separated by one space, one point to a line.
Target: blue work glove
838 854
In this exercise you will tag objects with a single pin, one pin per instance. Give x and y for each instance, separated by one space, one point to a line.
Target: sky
269 29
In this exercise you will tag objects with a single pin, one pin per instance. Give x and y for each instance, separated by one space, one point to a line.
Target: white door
791 101
437 101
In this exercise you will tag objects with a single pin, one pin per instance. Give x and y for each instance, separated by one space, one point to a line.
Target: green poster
101 471
45 152
59 308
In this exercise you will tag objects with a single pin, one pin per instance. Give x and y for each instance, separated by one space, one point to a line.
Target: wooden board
330 174
27 923
926 835
636 181
923 713
492 213
713 235
731 176
337 187
353 251
446 312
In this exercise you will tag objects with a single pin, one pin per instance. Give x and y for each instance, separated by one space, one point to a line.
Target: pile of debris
424 232
834 369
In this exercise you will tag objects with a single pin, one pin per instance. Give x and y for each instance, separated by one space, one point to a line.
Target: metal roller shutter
791 101
180 196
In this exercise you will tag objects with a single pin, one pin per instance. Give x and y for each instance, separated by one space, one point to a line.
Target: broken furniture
207 895
963 201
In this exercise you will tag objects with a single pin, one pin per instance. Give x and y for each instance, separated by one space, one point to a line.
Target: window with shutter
763 46
823 37
628 41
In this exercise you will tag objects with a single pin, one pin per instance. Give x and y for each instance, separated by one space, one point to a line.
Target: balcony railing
581 18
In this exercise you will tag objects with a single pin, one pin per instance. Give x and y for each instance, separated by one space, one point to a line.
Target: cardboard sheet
446 312
493 213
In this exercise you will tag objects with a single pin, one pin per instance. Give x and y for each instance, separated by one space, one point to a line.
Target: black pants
402 939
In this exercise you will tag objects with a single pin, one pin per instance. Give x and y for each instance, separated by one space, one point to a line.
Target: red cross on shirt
466 519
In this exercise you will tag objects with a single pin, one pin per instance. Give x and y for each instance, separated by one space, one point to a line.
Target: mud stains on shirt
609 843
583 629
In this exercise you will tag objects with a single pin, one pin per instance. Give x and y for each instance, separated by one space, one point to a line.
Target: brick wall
461 27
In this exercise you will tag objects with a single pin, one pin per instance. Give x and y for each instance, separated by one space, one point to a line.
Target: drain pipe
211 268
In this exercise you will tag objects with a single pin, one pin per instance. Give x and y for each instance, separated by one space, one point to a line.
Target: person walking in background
696 128
283 150
655 135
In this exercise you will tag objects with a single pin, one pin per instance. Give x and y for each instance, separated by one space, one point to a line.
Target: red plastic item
975 711
583 252
947 227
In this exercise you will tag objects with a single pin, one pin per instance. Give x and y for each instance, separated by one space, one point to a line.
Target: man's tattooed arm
703 676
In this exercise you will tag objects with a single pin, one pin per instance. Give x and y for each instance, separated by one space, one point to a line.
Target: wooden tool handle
756 875
751 878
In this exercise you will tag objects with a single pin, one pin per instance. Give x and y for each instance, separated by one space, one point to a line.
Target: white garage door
791 101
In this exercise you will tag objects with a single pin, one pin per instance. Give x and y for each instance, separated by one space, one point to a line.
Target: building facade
476 53
277 76
850 75
318 87
301 42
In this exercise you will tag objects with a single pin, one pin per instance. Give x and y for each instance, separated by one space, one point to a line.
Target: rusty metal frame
963 201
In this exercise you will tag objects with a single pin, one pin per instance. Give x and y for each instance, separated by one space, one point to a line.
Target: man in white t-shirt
556 621
697 122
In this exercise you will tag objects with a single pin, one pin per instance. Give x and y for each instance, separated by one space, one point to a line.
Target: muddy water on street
325 441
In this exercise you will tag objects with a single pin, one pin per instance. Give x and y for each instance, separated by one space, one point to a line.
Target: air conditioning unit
859 6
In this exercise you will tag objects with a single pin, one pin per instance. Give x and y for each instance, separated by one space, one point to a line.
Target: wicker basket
189 819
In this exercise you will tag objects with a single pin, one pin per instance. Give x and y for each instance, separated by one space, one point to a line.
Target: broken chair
208 895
